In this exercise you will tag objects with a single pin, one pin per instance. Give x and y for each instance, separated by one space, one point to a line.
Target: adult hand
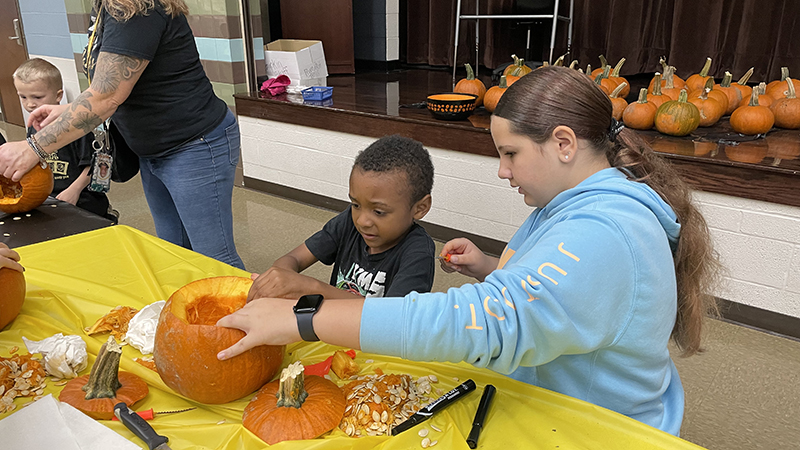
43 115
265 321
278 282
466 258
9 258
16 159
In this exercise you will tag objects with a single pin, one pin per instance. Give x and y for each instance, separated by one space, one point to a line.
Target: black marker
434 406
480 415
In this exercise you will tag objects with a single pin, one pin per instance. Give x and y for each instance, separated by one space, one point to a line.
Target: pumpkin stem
754 97
103 381
292 392
588 69
503 82
684 96
704 94
742 81
709 84
663 62
615 72
601 76
706 67
726 80
657 84
470 72
784 73
790 93
603 61
642 95
668 75
573 64
762 88
560 61
618 89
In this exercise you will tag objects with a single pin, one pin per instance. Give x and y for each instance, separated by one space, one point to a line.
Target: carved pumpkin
742 86
640 114
777 90
677 117
710 109
294 407
733 96
187 342
12 295
614 77
657 98
787 110
30 192
698 81
753 118
96 394
494 93
471 85
618 105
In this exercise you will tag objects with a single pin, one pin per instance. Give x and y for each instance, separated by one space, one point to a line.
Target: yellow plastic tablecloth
75 280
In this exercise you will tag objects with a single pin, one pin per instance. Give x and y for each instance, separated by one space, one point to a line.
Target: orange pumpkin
714 93
677 117
698 81
594 73
12 295
603 82
733 95
187 342
518 64
294 407
471 85
96 394
640 114
676 80
777 90
710 109
658 98
787 110
753 118
618 105
742 86
494 93
669 89
30 192
614 76
763 99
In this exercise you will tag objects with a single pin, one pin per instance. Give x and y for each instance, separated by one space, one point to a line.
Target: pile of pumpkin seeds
20 376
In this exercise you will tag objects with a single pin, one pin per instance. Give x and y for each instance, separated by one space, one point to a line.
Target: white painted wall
758 242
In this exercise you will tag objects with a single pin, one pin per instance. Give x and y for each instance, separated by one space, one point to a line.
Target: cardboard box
302 61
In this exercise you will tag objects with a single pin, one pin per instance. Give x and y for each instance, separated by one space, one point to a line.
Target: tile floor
742 393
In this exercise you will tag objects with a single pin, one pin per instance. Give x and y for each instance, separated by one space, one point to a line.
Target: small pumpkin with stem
677 117
471 85
640 114
753 118
710 109
669 89
763 98
615 77
677 81
295 407
698 81
618 104
96 394
733 94
742 86
712 92
657 98
603 82
27 193
787 110
594 73
518 64
777 90
494 93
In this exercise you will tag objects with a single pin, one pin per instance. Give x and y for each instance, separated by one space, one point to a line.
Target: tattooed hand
44 115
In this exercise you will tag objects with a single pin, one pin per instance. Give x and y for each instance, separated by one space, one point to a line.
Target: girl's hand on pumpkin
466 258
9 258
17 159
265 321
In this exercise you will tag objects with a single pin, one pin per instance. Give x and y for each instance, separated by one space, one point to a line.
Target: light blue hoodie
582 303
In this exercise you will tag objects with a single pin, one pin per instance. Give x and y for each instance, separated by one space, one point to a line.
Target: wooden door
12 54
329 21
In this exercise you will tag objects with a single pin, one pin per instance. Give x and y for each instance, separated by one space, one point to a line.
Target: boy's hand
9 258
69 196
17 159
280 283
265 321
43 115
466 258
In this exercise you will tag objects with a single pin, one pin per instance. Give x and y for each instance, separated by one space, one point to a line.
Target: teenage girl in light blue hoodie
613 262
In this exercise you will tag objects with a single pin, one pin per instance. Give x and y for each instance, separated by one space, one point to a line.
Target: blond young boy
39 83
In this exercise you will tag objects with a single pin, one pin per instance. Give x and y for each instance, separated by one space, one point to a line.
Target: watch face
308 303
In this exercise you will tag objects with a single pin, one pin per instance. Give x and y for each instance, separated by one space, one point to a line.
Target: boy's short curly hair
36 69
400 153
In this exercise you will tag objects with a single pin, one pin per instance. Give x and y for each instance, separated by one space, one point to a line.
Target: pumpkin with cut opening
28 193
187 342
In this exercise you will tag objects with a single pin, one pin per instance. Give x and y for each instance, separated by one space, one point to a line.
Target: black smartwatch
304 310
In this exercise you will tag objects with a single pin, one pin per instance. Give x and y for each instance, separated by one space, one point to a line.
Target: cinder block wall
758 242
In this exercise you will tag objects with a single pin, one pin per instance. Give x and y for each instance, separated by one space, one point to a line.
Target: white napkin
142 327
64 356
48 424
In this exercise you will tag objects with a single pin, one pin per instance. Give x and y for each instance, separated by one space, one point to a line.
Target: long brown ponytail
553 96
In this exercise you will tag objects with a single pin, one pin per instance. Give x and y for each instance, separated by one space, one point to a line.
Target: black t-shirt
67 164
406 267
173 101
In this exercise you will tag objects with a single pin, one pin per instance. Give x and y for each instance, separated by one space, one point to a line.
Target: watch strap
305 324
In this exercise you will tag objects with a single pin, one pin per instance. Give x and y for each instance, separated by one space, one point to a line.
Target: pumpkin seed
423 432
426 443
435 428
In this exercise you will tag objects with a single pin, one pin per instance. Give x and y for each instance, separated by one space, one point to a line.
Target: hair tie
614 130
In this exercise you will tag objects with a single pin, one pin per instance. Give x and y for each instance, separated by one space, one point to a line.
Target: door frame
11 103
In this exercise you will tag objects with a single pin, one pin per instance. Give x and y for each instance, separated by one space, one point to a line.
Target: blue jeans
190 190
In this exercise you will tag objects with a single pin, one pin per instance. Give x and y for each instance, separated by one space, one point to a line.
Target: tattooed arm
114 78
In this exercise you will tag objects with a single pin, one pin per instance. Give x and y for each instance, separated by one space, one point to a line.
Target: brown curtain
736 34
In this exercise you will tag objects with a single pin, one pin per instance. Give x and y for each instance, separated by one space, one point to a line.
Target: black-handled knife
140 427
